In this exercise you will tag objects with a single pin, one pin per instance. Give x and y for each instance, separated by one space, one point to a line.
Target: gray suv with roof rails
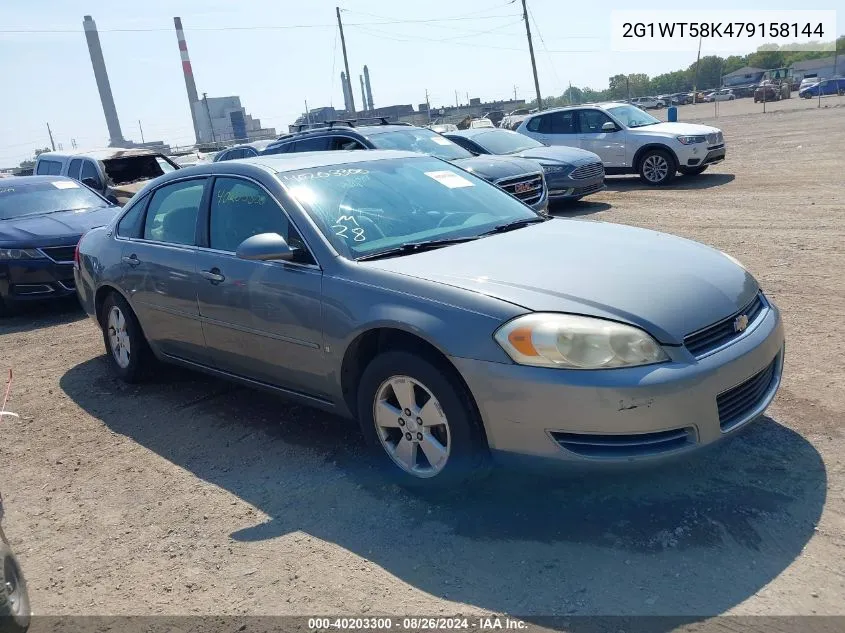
520 177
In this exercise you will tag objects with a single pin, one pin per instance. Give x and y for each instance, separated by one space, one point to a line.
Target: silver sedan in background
453 322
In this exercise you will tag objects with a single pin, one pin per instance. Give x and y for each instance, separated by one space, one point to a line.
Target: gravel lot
190 495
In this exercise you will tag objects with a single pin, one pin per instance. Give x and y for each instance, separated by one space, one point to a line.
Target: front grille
588 171
715 139
736 404
60 254
701 342
529 188
621 446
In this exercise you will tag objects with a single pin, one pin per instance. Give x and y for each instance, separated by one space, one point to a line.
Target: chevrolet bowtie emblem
740 323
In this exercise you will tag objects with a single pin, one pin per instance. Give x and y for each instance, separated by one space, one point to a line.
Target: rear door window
173 210
73 169
318 144
345 143
560 123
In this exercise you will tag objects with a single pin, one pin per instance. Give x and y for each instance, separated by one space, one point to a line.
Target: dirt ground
189 495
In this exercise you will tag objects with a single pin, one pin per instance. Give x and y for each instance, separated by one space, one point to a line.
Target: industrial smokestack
363 93
191 86
115 135
345 84
369 87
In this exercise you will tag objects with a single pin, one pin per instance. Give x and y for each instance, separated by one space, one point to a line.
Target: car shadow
575 209
34 315
695 537
679 183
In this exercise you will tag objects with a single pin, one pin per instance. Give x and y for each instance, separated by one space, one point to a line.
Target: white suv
630 141
647 103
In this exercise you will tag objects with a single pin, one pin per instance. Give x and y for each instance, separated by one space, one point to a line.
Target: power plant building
224 119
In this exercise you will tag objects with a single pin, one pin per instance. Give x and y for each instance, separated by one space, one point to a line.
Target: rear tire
657 167
692 171
430 405
126 345
15 612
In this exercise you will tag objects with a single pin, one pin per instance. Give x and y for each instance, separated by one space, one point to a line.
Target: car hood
51 229
686 129
560 154
497 167
665 284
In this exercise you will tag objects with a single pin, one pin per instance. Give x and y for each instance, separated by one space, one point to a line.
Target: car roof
259 145
280 163
102 154
23 181
603 106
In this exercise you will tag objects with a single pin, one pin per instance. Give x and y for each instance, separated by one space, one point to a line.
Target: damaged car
115 173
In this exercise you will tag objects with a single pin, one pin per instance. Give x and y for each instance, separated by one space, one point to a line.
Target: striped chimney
189 74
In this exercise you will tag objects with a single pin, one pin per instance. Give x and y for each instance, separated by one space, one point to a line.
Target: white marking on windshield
64 184
449 179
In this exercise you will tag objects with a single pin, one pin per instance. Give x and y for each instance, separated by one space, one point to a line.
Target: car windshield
375 206
17 201
505 142
631 116
420 140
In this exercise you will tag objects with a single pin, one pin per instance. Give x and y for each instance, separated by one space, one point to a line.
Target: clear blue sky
48 76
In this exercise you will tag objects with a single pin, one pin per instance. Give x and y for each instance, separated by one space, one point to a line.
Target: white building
224 119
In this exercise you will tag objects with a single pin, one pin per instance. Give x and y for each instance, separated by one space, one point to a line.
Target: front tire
422 423
15 612
692 171
126 346
657 167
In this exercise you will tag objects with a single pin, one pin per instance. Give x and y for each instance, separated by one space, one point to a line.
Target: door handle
132 260
213 275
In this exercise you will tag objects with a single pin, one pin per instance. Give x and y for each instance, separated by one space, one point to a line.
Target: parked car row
835 86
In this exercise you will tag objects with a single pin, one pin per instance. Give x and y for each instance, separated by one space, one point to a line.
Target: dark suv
520 177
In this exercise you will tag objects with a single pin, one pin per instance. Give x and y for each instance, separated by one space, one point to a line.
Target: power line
254 28
411 38
545 48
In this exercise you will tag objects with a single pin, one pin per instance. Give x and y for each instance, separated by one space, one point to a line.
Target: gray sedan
571 173
453 322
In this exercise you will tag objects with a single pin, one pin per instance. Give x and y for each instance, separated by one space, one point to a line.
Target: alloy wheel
119 338
655 168
412 426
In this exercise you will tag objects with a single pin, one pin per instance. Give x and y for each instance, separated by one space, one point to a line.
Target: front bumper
35 279
714 154
627 415
566 188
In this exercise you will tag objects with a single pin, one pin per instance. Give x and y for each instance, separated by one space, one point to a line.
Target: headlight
691 140
20 253
568 341
554 169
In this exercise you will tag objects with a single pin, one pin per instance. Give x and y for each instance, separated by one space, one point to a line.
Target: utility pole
210 122
346 63
427 105
456 99
142 130
531 50
307 113
695 83
49 131
514 92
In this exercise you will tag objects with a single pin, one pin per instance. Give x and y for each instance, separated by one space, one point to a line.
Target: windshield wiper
512 226
416 247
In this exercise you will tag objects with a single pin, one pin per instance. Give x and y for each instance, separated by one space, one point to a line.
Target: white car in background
724 95
648 103
629 140
482 122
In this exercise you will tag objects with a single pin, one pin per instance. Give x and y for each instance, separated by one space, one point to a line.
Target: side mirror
92 182
264 247
609 126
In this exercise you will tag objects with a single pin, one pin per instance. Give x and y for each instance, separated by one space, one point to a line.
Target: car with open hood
571 173
630 140
116 173
452 321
